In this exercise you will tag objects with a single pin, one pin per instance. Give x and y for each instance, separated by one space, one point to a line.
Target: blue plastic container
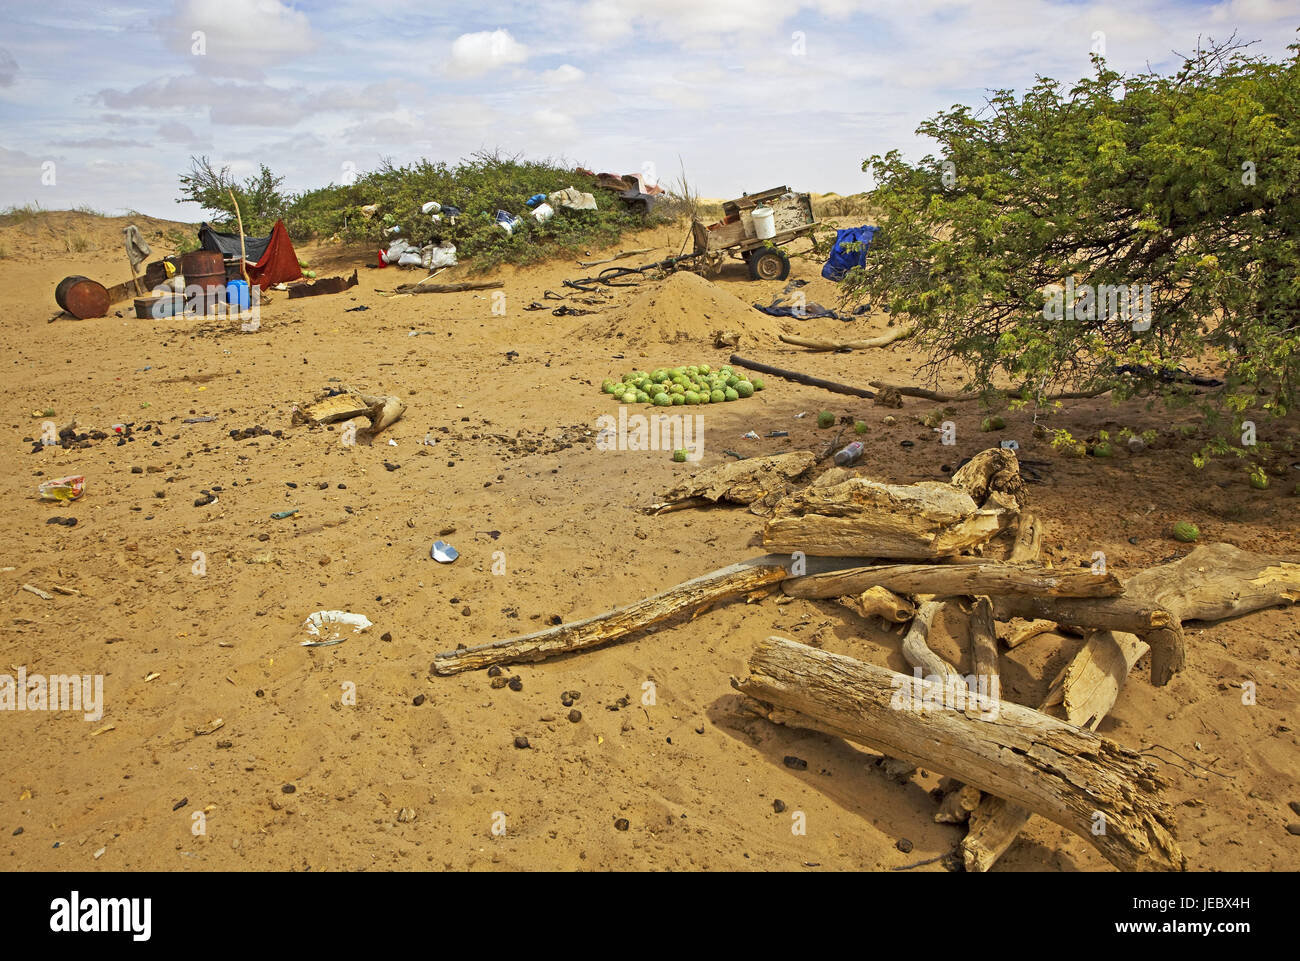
237 294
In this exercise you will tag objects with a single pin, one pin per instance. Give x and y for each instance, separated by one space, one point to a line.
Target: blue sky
748 93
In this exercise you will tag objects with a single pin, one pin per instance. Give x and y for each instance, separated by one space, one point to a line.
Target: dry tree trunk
952 579
863 518
822 344
1085 691
1069 775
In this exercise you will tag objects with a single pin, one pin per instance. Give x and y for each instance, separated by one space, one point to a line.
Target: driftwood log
1209 584
949 579
756 481
692 597
1082 694
1067 774
823 344
864 518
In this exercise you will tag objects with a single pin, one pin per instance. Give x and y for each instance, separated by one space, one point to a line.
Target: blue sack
841 261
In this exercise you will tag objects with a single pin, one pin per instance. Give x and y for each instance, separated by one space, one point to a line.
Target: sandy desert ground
295 779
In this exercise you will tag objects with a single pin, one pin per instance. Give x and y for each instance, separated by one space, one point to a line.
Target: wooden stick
618 256
1085 691
693 596
821 344
949 579
799 378
916 646
1067 774
946 398
420 288
243 250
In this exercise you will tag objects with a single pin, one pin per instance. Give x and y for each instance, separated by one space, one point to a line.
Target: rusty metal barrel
82 297
205 269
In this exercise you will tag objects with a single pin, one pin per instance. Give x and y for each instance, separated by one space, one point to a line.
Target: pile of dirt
685 307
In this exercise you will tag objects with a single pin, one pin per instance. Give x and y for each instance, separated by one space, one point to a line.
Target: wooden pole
799 378
243 251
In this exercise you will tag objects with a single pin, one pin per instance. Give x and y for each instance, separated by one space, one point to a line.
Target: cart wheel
769 264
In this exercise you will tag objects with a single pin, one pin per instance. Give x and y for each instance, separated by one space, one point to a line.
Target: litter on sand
443 553
333 627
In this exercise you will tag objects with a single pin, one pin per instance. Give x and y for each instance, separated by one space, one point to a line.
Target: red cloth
279 263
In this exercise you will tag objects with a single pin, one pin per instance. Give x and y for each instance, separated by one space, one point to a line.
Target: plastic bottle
850 454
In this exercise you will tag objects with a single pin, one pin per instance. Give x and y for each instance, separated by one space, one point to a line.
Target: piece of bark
1068 774
880 602
749 481
799 378
329 410
690 597
823 344
1020 631
951 579
1083 693
864 518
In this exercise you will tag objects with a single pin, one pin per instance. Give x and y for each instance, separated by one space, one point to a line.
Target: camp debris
367 413
326 285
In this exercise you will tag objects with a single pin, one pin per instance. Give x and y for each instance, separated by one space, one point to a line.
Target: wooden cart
734 235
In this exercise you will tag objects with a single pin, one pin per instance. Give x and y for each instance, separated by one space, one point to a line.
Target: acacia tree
1189 183
261 202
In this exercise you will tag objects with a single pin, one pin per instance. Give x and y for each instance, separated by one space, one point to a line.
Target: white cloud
565 73
239 37
486 50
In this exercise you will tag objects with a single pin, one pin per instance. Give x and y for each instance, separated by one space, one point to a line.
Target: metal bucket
82 297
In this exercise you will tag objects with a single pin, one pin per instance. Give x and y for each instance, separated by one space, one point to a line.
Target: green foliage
261 202
1189 183
479 186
